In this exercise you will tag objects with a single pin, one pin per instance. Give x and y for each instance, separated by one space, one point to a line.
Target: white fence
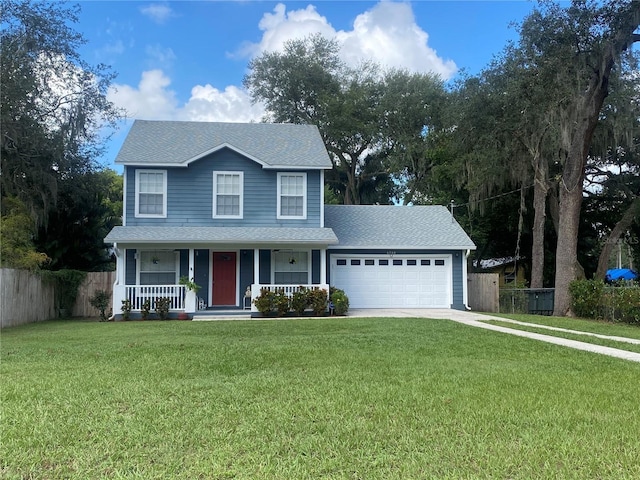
139 294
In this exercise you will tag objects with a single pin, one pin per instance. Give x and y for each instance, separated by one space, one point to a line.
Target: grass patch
321 398
585 325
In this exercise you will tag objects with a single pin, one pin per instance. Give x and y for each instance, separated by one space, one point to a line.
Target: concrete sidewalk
476 320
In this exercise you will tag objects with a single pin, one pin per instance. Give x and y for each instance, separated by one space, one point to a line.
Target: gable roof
390 227
273 145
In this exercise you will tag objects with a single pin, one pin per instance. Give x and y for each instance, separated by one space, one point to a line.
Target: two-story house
238 207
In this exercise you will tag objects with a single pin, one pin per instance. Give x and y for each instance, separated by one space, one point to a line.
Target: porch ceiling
222 235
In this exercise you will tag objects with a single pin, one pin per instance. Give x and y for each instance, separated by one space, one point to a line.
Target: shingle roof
388 226
172 143
211 235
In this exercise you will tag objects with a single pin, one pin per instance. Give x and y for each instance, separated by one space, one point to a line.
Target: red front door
224 278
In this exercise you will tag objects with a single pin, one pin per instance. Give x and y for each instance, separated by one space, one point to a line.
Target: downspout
465 283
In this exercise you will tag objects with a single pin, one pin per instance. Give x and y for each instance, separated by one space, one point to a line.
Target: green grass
308 399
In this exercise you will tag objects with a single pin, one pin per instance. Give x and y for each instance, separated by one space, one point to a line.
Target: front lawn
318 398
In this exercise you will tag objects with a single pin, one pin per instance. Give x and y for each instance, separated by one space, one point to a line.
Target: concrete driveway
473 319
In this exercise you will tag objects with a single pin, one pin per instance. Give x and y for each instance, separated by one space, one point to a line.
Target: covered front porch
229 265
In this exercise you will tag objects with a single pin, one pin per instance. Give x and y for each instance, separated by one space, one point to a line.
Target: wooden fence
95 281
484 292
26 298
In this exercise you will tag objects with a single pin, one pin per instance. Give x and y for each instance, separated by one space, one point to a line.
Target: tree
412 125
53 115
582 44
308 83
87 211
17 230
53 104
354 110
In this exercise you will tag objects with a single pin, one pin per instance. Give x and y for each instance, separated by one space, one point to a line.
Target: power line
491 198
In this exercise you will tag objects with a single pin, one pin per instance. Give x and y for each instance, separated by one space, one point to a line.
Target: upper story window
151 193
292 195
228 194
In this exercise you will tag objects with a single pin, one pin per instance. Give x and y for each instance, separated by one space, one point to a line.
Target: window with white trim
151 193
228 194
291 267
158 267
292 195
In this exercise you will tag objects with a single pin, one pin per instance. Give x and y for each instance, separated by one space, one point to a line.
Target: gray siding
457 257
190 195
315 267
130 266
246 272
265 266
184 263
201 273
458 297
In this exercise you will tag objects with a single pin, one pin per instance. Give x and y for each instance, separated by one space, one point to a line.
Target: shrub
622 304
162 307
101 301
586 297
145 309
126 309
281 302
339 300
318 301
66 284
300 300
265 302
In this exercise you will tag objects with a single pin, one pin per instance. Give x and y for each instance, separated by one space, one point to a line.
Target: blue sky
185 60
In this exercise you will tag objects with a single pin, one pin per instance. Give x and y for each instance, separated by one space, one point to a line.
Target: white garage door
393 282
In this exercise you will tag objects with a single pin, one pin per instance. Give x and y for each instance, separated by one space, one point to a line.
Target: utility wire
491 198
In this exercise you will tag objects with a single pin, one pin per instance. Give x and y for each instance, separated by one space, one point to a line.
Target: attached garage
391 256
407 281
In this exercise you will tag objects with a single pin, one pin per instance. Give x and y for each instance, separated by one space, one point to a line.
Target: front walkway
475 319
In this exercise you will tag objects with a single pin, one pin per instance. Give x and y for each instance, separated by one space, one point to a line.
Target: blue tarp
620 274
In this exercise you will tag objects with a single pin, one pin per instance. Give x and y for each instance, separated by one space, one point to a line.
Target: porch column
119 290
323 266
120 264
255 287
190 296
256 265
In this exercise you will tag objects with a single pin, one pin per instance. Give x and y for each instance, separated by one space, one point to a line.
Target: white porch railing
289 290
139 294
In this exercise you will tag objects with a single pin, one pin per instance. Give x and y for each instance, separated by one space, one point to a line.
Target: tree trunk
632 213
539 206
567 249
581 127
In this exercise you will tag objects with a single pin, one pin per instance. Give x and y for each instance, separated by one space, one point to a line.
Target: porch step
208 315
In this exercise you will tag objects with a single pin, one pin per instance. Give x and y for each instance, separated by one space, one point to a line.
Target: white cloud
158 12
160 57
212 105
387 34
150 100
153 100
